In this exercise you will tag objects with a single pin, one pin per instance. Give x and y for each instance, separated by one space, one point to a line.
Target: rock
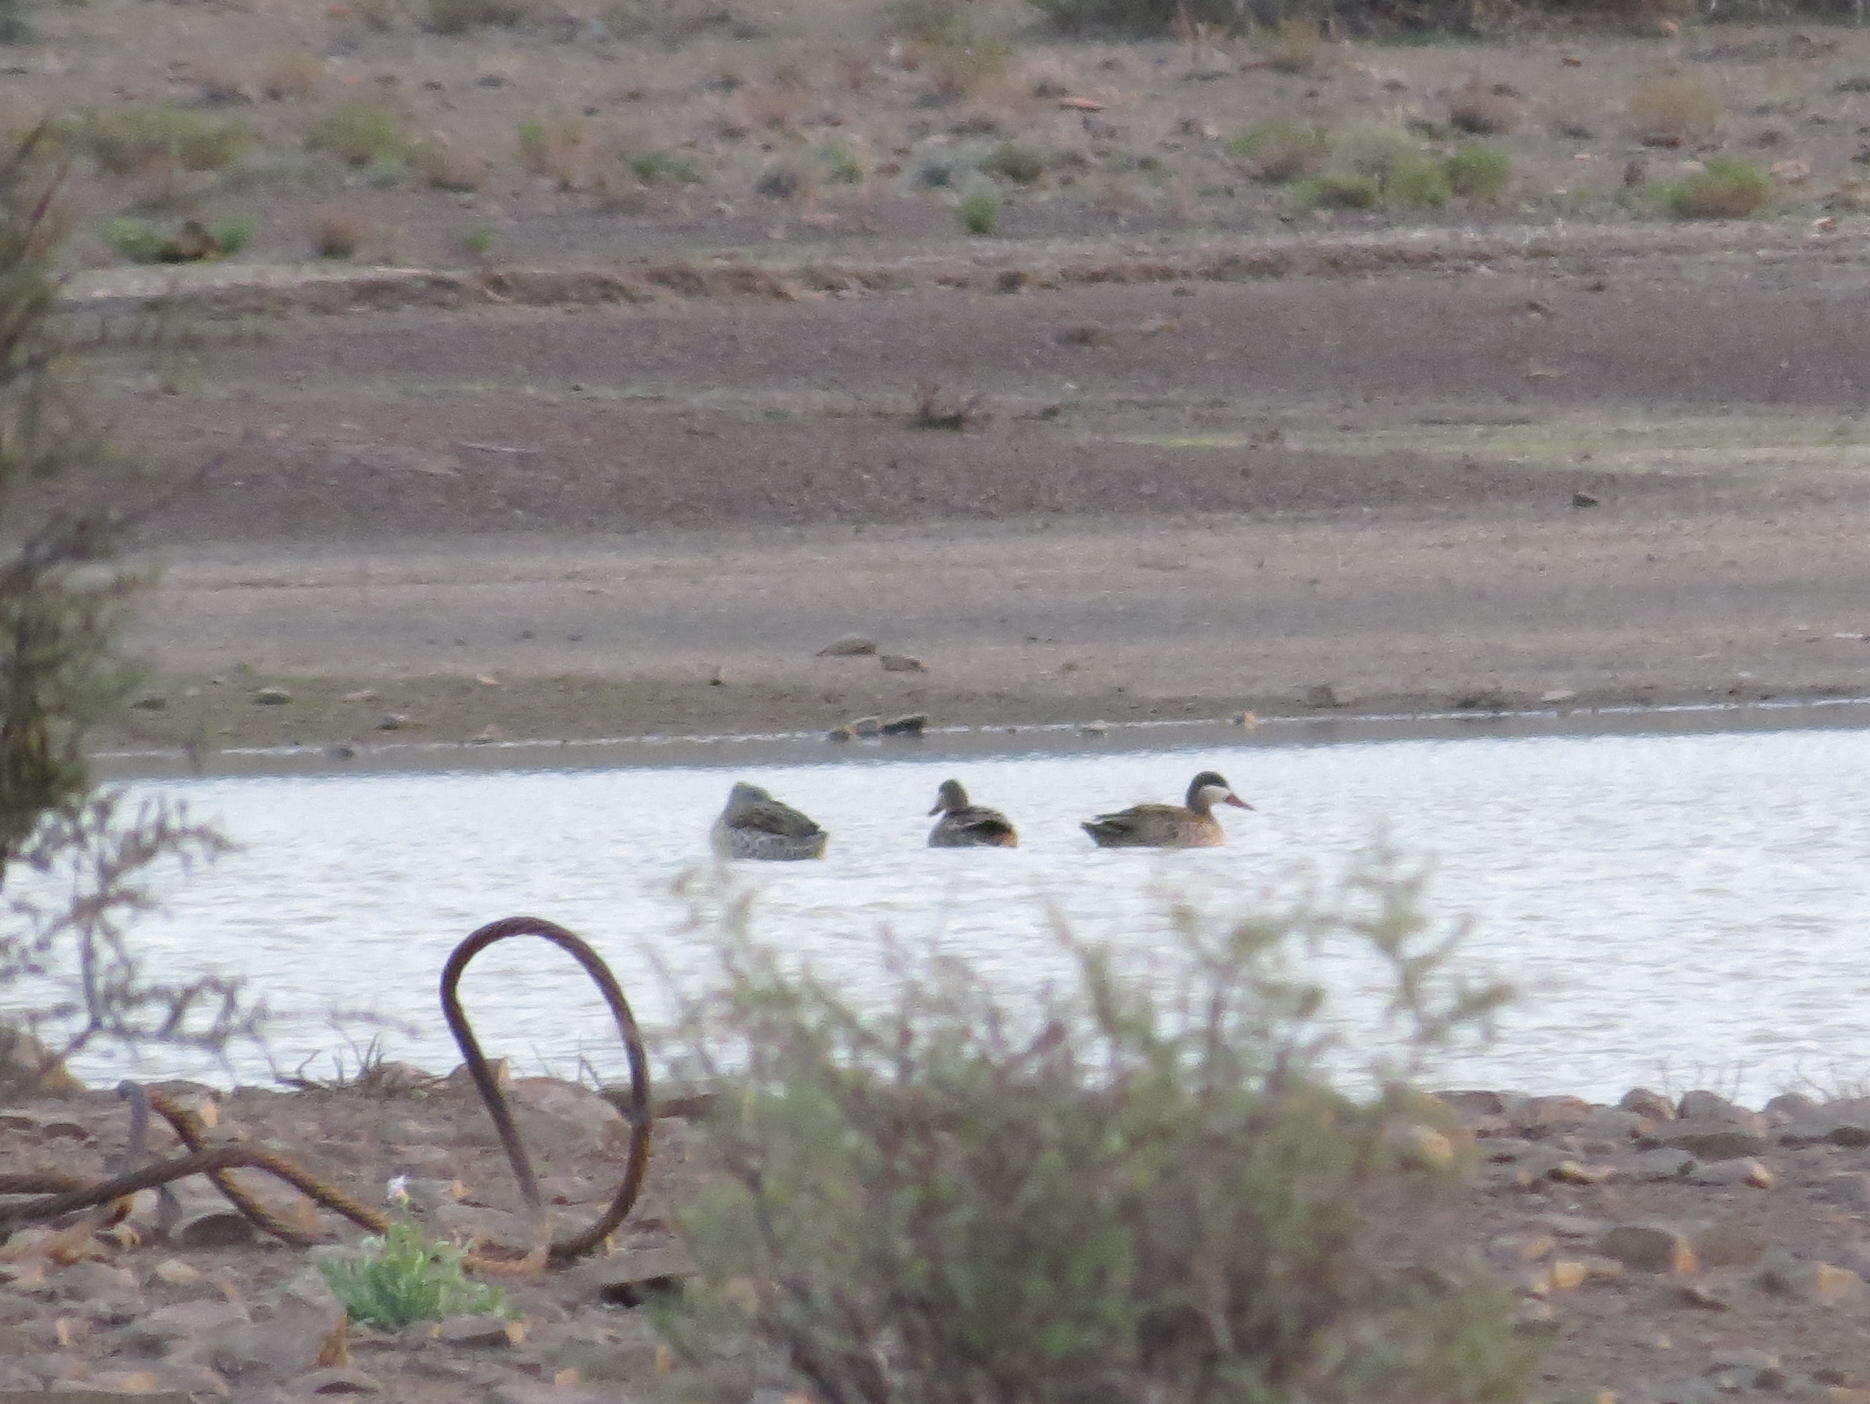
172 1325
1704 1295
907 726
1740 1370
901 663
1567 1274
630 1277
1476 1103
866 727
1710 1141
1419 1147
393 721
1572 1172
1571 1225
336 1379
430 1194
1702 1105
170 1381
850 646
1806 1280
1648 1248
1733 1172
1729 1245
1538 1117
1850 1190
479 1225
1521 1247
1322 695
480 1331
270 697
92 1280
1555 696
840 734
365 694
1643 1102
214 1226
1792 1105
1663 1163
150 702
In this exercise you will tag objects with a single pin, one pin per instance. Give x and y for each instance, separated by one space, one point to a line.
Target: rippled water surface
1685 909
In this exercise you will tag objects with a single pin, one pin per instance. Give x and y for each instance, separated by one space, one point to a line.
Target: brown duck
965 825
1190 825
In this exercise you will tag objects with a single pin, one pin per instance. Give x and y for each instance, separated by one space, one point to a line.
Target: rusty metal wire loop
64 1194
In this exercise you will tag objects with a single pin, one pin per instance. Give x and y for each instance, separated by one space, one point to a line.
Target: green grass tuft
1479 173
360 133
402 1278
980 212
1726 189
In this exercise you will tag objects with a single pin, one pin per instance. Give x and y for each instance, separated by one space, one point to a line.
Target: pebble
901 663
850 646
1649 1248
271 696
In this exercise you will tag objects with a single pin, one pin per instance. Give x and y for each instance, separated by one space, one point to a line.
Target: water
1679 910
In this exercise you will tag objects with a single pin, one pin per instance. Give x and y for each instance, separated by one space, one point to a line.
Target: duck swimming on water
755 825
1188 825
966 825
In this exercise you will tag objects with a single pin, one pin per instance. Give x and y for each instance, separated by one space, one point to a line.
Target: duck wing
978 819
771 817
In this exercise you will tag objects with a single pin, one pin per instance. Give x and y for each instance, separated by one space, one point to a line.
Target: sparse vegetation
464 16
131 140
359 133
143 241
963 62
557 146
1479 173
401 1278
1280 151
445 168
1291 44
1484 109
1419 182
1129 1183
1671 109
1725 188
934 409
291 76
1339 190
479 241
843 163
339 233
980 212
1020 165
663 167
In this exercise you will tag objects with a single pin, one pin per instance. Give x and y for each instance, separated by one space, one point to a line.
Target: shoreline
1688 716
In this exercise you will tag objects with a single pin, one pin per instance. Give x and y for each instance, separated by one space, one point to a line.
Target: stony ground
1667 1251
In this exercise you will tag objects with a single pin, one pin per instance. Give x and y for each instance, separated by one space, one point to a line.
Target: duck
966 825
755 825
1188 825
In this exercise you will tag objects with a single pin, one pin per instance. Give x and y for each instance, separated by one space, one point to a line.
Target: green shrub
460 16
1137 1181
1278 151
1419 182
138 240
479 241
980 212
1373 150
842 163
1339 190
1479 172
1012 162
126 140
1725 189
1139 17
402 1278
653 167
360 133
233 235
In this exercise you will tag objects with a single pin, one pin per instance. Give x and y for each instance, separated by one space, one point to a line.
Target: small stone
215 1227
901 663
1704 1296
271 696
631 1277
1583 499
912 725
1322 695
176 1273
480 1331
1571 1172
393 721
1643 1102
1567 1274
840 734
1540 1116
1663 1163
1786 1276
150 702
850 646
1649 1248
1711 1142
1472 1102
1793 1104
175 1324
1729 1245
1702 1105
363 694
1733 1172
336 1379
866 727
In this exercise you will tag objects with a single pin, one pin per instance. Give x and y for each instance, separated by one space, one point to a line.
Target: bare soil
1739 1307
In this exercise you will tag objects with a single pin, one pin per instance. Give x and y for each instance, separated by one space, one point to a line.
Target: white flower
398 1192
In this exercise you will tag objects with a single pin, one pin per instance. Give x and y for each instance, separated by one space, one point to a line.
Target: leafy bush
360 132
461 16
1339 190
980 212
138 240
402 1278
126 140
1419 182
142 241
1012 162
655 167
1278 151
1725 189
1479 172
1140 1184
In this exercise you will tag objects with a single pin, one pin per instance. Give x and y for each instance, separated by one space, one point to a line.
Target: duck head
1211 788
949 798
